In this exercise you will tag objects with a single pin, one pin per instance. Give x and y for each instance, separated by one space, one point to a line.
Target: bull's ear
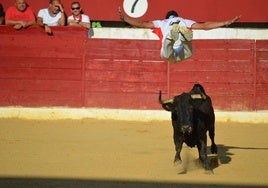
199 96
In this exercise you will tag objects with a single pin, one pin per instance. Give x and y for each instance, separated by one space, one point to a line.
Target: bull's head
181 107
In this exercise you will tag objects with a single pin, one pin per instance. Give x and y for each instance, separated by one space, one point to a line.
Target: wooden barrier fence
69 69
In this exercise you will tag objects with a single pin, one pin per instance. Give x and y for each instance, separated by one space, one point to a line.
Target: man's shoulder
11 9
85 16
29 9
43 12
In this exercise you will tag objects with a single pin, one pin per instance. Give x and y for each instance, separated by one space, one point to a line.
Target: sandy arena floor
92 153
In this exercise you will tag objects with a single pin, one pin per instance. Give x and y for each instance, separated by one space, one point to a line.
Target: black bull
192 116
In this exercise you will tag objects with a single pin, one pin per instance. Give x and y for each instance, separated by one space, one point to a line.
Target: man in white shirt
175 33
78 18
51 16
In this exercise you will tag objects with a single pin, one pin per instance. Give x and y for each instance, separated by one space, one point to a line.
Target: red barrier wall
71 70
205 10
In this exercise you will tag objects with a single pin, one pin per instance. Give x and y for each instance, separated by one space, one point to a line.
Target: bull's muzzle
186 129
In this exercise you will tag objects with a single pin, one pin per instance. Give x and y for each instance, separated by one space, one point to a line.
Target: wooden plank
218 44
262 96
262 45
120 65
262 76
40 73
123 100
124 87
127 50
37 62
262 52
246 66
20 85
125 76
41 52
62 32
215 88
40 98
232 103
211 77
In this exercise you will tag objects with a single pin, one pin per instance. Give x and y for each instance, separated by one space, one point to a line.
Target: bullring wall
72 70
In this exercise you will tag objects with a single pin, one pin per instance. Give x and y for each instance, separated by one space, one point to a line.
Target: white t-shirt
48 19
166 25
84 18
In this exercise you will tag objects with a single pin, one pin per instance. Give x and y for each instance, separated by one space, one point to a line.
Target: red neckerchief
80 18
159 33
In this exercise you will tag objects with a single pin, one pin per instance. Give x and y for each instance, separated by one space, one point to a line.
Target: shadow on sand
80 183
224 155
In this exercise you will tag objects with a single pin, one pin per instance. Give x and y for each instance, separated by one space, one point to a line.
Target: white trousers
167 52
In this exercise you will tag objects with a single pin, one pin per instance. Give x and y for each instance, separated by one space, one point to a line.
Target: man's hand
18 26
48 30
121 16
229 22
60 7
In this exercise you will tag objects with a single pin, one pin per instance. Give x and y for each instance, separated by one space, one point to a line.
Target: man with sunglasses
52 16
78 18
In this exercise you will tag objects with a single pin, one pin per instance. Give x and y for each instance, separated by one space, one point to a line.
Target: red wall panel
261 74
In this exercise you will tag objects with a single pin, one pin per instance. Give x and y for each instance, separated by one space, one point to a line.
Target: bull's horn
167 101
164 101
198 96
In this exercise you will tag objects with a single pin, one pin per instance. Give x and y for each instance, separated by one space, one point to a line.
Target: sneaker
174 32
186 33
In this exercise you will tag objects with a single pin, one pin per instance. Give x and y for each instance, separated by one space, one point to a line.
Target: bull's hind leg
214 149
202 149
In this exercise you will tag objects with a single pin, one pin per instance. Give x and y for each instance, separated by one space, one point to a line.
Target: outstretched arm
214 25
135 22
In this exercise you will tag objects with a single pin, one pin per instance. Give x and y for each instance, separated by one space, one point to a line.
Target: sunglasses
76 8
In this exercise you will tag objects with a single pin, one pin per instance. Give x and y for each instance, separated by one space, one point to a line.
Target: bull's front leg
178 146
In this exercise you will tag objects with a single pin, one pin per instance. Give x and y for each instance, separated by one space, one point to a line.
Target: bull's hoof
213 161
177 163
214 149
209 171
183 171
179 167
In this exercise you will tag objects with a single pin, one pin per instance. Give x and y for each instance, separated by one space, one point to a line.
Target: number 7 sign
135 8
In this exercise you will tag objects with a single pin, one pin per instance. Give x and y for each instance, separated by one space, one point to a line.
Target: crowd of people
22 16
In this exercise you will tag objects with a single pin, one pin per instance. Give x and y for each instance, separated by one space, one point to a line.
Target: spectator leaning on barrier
78 18
2 14
20 15
52 16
